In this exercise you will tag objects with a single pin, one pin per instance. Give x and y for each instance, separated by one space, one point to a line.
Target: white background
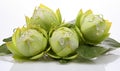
12 12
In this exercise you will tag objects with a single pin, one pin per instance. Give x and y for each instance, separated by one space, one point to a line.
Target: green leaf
110 43
88 51
82 60
4 50
7 39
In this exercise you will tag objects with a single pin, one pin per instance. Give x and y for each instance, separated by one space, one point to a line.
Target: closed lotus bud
45 18
64 41
27 43
93 27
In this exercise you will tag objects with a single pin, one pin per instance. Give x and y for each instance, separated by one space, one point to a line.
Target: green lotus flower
27 43
64 41
93 27
45 18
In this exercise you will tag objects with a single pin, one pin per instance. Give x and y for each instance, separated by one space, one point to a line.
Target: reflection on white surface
114 66
5 66
56 67
12 12
103 63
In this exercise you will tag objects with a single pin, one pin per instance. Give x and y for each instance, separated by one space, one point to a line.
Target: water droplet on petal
97 33
102 31
68 34
25 35
97 28
90 19
61 41
101 16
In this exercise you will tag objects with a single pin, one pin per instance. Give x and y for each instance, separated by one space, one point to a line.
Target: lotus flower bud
27 43
93 27
64 41
45 18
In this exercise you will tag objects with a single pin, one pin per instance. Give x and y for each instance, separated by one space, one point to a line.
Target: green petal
16 36
88 12
52 54
66 51
39 29
77 22
13 49
108 25
7 39
27 20
37 56
45 7
58 14
81 38
105 34
71 57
